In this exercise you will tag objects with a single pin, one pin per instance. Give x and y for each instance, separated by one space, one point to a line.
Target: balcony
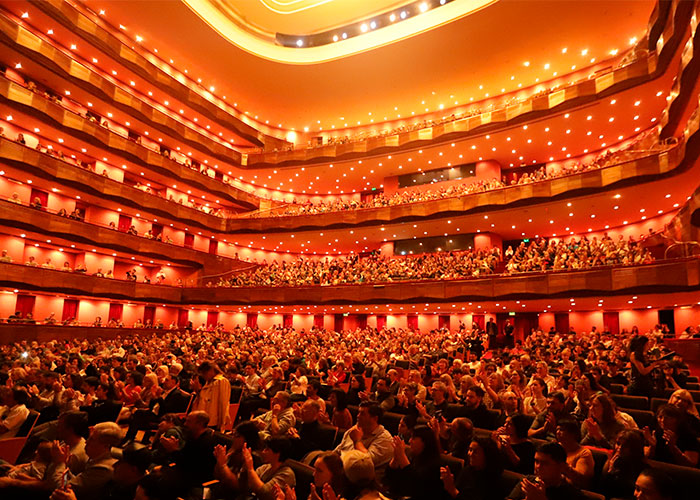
41 221
676 275
55 281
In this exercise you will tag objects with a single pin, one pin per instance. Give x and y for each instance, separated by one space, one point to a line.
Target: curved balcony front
40 221
676 275
55 281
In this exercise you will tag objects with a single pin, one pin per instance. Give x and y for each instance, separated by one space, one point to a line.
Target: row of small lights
567 232
174 113
364 28
372 310
565 154
60 140
52 246
303 251
119 209
473 147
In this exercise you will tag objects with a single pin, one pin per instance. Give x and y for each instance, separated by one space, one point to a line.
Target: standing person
492 332
641 368
508 331
214 396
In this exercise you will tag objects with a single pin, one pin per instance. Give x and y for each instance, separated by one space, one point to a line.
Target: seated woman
261 481
229 464
328 473
338 414
481 478
418 477
669 377
537 403
338 374
518 452
579 460
683 400
601 427
672 441
624 465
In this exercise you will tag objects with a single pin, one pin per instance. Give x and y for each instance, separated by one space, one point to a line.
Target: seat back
657 402
453 411
643 418
304 475
455 464
10 448
28 424
617 388
236 394
390 421
327 434
510 480
688 478
635 402
232 413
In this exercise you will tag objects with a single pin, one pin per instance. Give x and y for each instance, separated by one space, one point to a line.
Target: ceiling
302 16
507 46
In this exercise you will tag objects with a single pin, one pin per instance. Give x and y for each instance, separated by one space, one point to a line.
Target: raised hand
328 493
60 453
448 481
399 445
220 454
247 457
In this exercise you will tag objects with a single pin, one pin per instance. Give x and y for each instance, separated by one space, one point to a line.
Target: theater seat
10 448
453 411
643 418
455 464
617 389
390 421
634 402
304 475
28 424
687 477
327 436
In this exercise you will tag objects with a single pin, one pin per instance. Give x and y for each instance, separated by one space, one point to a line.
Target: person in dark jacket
419 476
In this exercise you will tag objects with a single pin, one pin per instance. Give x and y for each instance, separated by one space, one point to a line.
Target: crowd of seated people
583 253
540 255
411 195
91 166
389 413
371 269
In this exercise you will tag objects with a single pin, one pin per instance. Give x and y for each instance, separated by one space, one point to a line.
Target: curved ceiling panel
258 26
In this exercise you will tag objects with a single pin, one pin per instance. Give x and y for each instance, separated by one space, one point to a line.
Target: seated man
382 395
195 460
549 482
438 406
14 411
306 436
475 409
545 424
171 400
369 436
104 408
89 484
277 421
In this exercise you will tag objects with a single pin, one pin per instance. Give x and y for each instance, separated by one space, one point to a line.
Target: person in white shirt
14 412
299 381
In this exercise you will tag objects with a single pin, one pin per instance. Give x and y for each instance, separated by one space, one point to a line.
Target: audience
144 376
